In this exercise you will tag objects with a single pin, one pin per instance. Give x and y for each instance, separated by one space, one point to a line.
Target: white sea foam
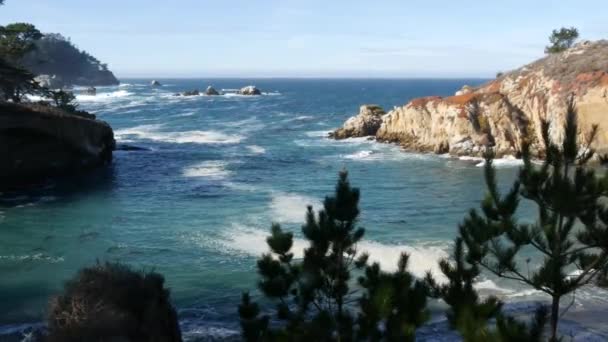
32 257
212 169
290 207
252 241
152 132
507 161
255 149
365 154
103 96
318 134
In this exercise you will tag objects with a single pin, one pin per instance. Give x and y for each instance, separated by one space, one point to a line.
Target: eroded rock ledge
37 142
503 112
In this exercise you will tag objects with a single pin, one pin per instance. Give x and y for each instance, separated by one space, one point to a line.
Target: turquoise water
197 204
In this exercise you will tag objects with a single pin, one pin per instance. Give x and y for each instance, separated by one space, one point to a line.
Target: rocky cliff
504 111
40 141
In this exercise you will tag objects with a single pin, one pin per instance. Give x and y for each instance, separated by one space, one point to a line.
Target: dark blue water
197 204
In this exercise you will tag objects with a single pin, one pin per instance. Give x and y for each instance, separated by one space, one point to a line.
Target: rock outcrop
155 83
193 92
365 124
38 142
249 90
504 112
210 91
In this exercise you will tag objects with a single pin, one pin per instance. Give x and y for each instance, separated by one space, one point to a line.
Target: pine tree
315 298
467 314
471 316
569 235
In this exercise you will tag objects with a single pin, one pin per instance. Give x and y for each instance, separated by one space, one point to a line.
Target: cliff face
39 141
510 108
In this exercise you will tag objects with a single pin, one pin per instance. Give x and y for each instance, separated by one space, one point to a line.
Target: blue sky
311 38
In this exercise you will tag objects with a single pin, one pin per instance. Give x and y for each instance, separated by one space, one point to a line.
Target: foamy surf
103 96
290 207
152 132
212 169
255 149
423 258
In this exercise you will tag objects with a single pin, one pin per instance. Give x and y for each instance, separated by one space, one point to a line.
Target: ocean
197 202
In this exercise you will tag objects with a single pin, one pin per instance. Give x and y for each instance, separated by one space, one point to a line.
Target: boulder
210 91
38 142
366 123
194 92
249 90
155 83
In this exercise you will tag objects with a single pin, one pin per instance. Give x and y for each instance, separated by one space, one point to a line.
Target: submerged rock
210 91
155 83
504 112
249 90
366 123
38 142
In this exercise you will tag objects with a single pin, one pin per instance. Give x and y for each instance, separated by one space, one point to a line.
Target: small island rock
210 91
155 83
250 90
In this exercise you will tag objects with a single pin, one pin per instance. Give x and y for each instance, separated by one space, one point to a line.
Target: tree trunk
554 318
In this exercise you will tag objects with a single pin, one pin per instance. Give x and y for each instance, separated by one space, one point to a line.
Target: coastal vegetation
112 302
562 39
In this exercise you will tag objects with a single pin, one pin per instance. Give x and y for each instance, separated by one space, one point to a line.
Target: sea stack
155 83
503 112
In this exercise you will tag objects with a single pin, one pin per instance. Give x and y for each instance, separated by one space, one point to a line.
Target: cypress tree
316 298
569 236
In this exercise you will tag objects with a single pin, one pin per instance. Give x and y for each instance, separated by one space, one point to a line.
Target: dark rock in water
90 91
194 92
210 91
38 142
124 147
111 302
155 83
249 90
365 124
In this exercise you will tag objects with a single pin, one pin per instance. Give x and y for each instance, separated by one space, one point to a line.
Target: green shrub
109 302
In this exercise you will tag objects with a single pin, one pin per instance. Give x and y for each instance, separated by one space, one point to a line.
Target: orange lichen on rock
461 99
604 80
422 101
493 87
